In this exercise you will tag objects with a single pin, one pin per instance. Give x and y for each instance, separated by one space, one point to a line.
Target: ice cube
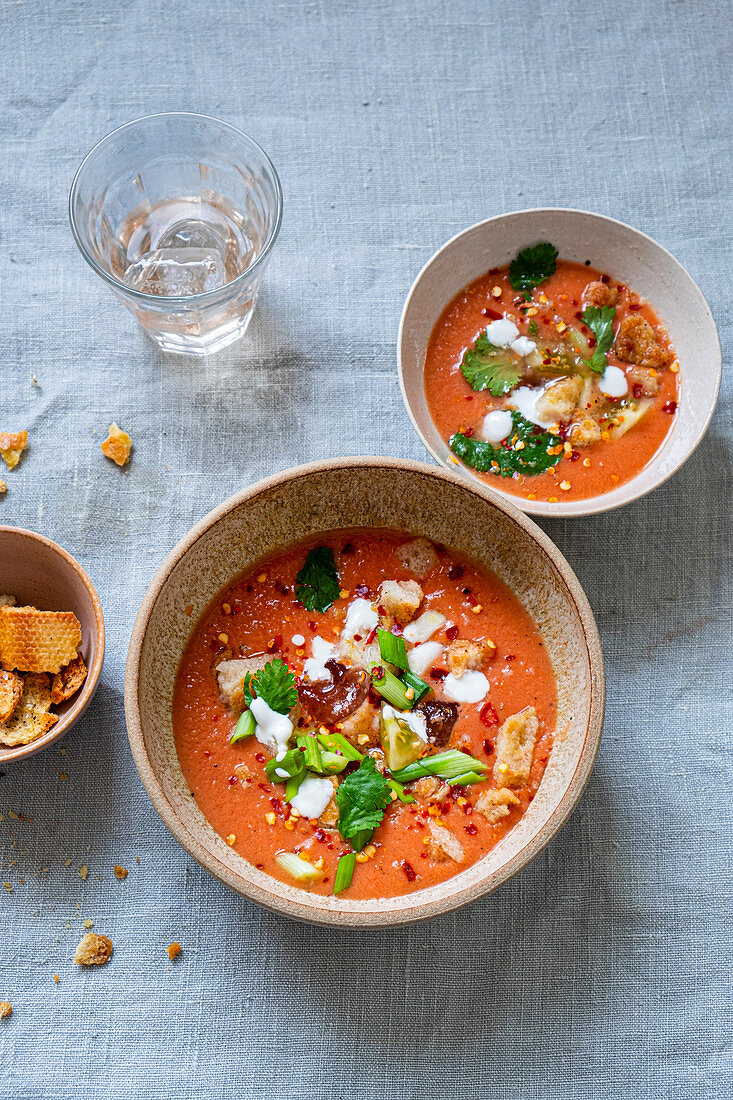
176 272
194 233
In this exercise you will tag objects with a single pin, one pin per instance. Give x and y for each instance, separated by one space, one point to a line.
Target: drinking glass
178 214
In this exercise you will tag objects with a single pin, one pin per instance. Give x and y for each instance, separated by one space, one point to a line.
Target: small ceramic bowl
40 573
626 254
364 492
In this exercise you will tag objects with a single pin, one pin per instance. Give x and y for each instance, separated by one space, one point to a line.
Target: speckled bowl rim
301 909
642 484
68 721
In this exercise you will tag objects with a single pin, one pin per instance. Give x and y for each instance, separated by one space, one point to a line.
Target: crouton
442 844
426 788
584 432
3 487
37 641
400 600
93 950
173 950
120 872
6 1009
418 556
30 719
640 376
636 342
362 727
11 689
12 445
495 804
330 815
68 681
559 399
464 654
231 674
600 294
117 446
514 748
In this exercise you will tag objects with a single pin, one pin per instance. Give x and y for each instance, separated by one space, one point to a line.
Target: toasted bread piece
636 342
601 294
12 445
559 399
464 654
11 689
117 446
231 674
38 641
30 719
400 600
442 844
68 681
93 950
495 804
515 743
418 556
6 1009
3 487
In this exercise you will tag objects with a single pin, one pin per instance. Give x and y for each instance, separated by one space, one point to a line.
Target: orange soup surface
482 644
599 398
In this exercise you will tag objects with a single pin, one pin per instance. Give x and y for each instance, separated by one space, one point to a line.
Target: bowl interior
624 253
364 493
38 572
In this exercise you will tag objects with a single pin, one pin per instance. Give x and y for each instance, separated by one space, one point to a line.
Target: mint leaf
509 459
317 583
274 683
600 322
532 266
488 368
361 799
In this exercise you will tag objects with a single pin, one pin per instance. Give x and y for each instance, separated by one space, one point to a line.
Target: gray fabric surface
603 969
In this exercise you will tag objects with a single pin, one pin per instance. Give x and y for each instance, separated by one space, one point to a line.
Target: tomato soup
392 707
562 390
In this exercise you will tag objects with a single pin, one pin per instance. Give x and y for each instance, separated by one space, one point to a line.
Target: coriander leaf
532 266
539 450
533 330
488 368
361 799
317 583
274 683
600 322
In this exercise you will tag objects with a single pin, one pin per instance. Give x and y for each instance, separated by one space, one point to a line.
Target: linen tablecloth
603 969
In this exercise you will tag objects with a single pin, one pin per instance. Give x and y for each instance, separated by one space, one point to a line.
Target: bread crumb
83 872
3 490
117 446
174 950
56 979
6 1009
120 872
93 950
88 923
12 445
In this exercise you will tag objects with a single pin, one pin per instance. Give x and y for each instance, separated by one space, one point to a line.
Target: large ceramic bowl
364 492
630 257
41 573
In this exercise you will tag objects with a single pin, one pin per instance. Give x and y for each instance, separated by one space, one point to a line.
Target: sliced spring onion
332 763
244 728
444 765
466 779
312 751
400 791
392 648
298 868
418 686
344 872
293 786
291 765
390 688
361 839
336 742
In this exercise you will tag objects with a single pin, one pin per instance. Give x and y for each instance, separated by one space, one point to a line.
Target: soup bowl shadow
364 493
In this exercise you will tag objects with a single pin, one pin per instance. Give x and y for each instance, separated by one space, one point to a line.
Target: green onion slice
297 868
344 872
466 779
392 649
400 791
244 728
418 686
292 764
390 688
336 742
444 765
312 751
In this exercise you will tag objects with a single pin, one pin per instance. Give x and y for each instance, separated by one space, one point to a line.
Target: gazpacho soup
553 377
367 713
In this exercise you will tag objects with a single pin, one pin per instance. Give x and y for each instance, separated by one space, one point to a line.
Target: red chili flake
468 809
574 302
207 754
492 313
487 747
605 279
357 637
312 626
372 635
438 674
670 407
510 657
470 829
276 805
466 591
445 807
578 315
592 341
518 301
236 610
260 757
361 590
456 572
546 320
574 456
468 432
488 715
215 718
634 307
409 871
637 389
320 835
263 786
276 643
232 780
259 866
423 855
469 397
451 633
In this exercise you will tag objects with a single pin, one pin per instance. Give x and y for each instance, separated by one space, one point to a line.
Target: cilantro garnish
486 367
317 583
600 322
274 683
361 799
510 458
532 266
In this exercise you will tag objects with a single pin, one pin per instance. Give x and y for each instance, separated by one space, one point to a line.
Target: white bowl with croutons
487 342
